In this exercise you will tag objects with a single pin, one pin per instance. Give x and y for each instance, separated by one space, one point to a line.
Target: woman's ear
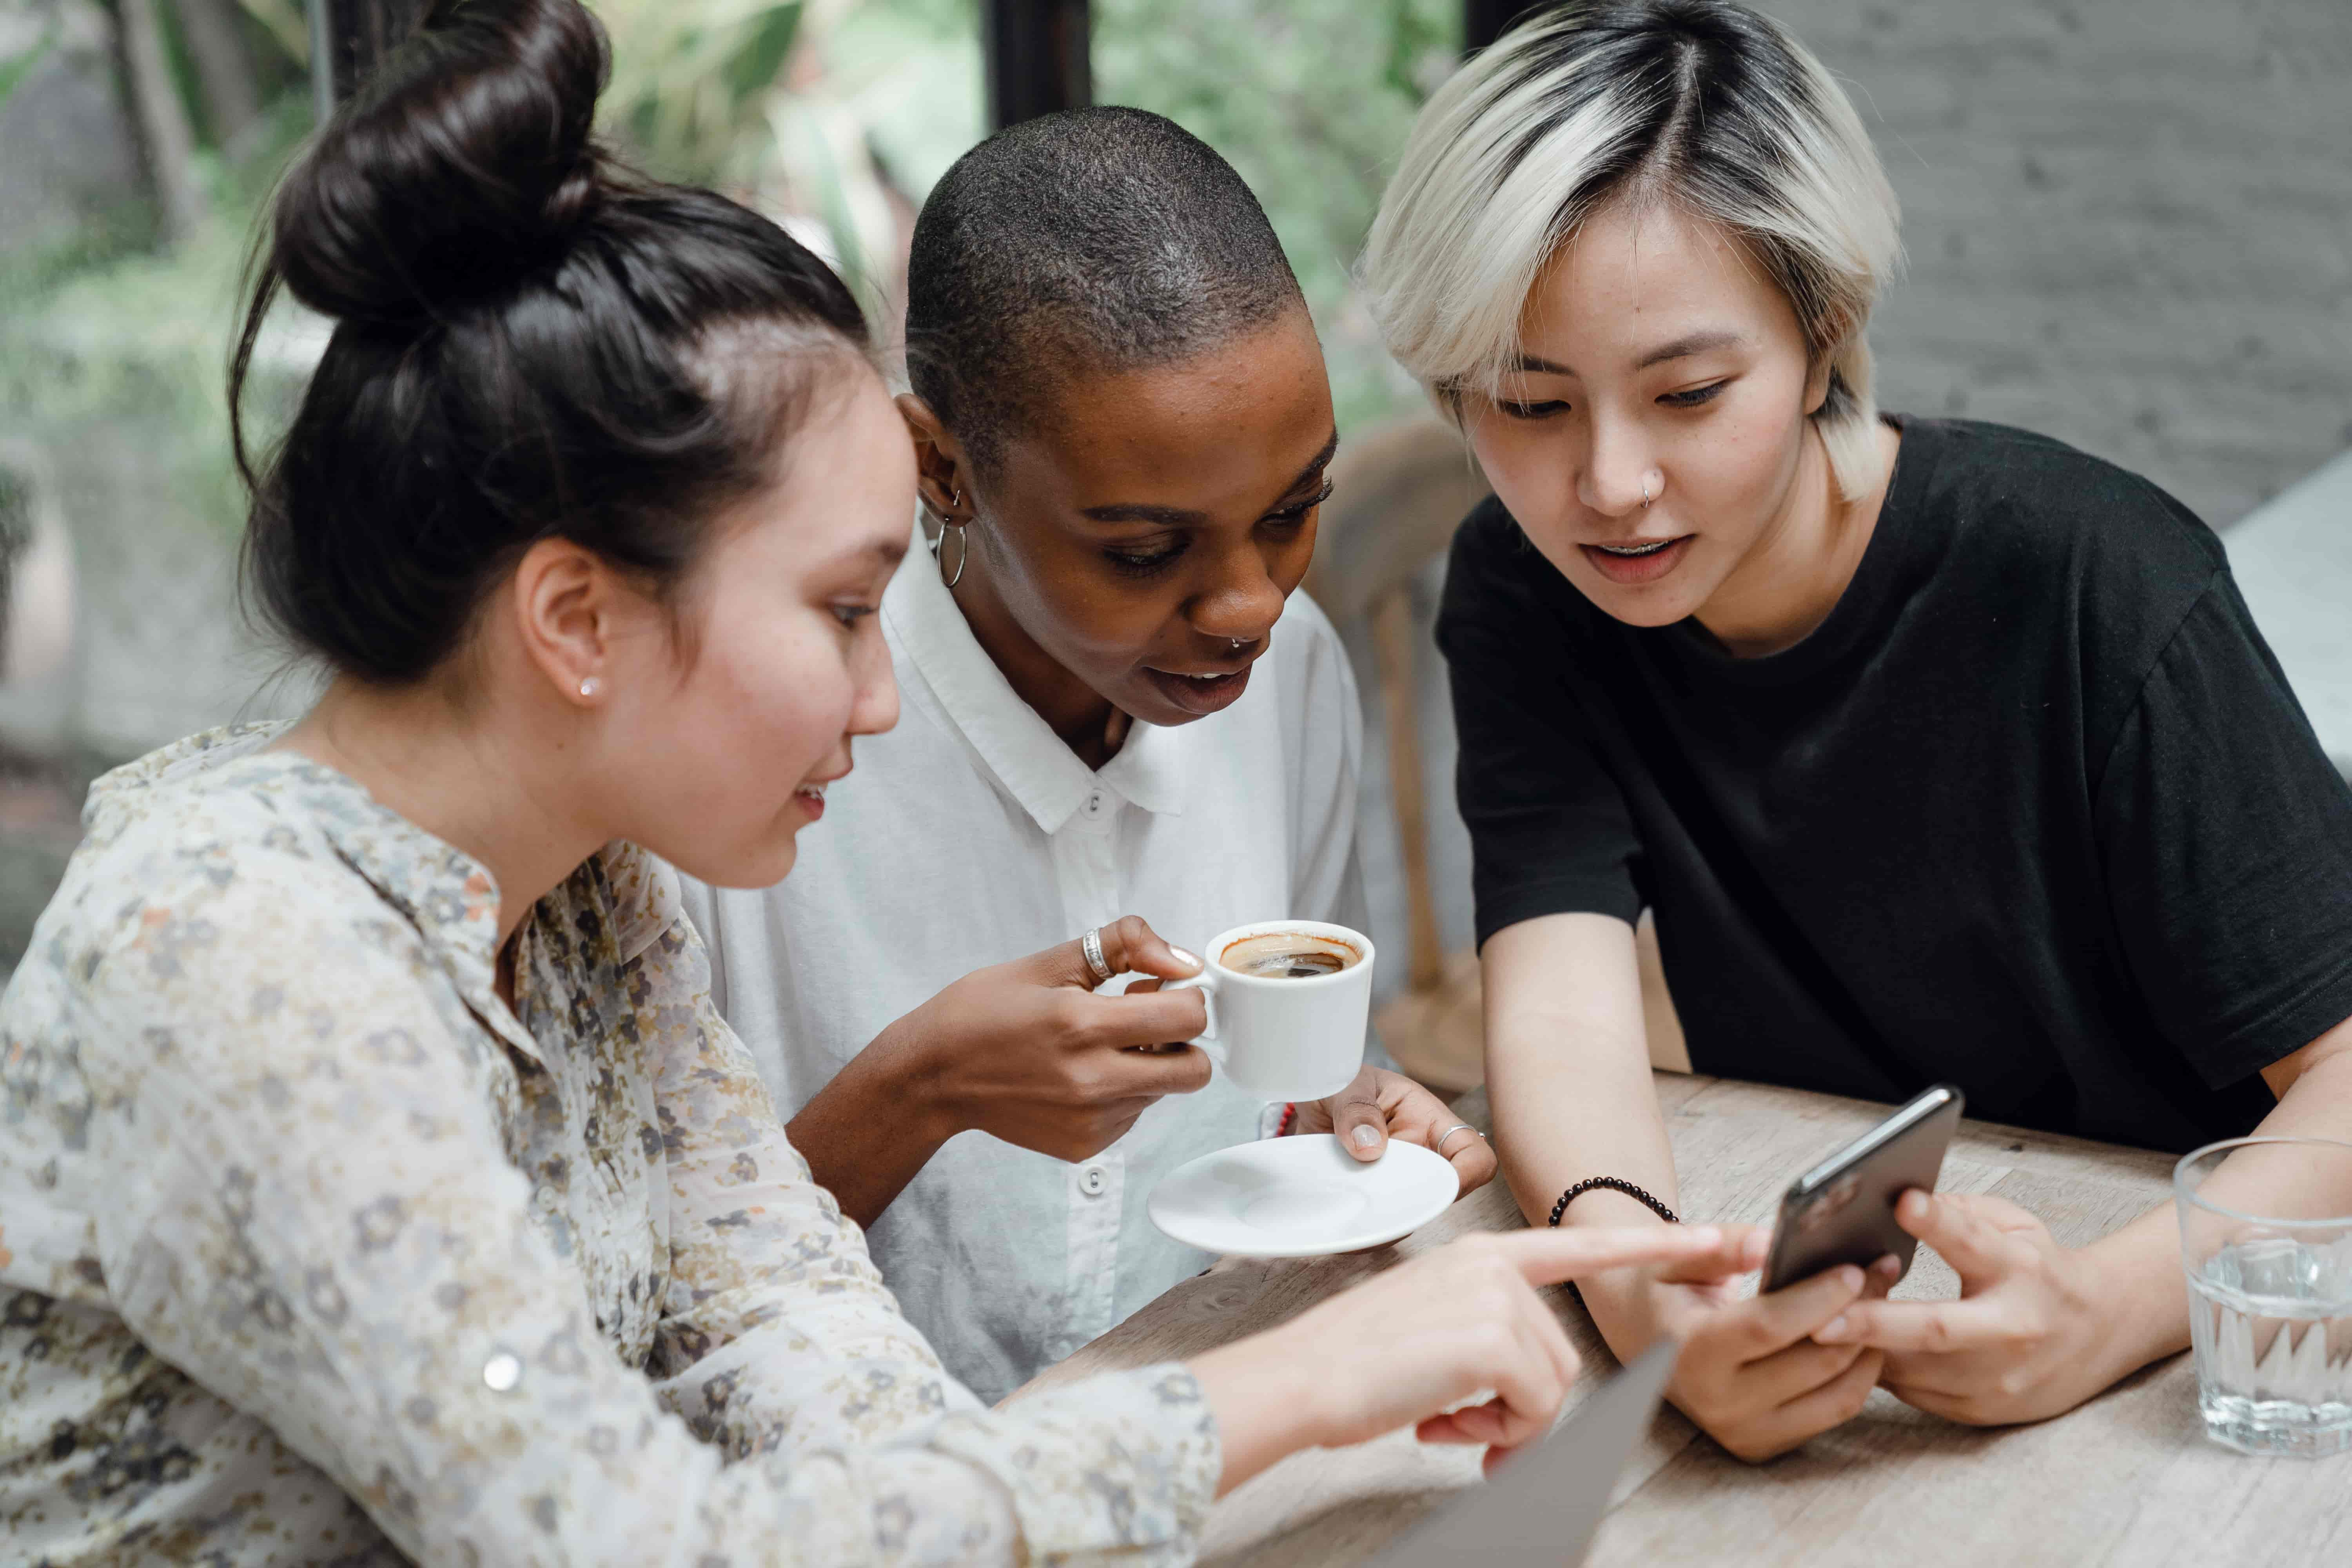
941 472
1817 383
1832 335
565 609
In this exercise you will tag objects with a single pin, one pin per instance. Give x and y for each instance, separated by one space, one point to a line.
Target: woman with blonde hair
1941 751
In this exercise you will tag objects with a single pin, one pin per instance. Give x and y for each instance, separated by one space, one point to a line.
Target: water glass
2266 1243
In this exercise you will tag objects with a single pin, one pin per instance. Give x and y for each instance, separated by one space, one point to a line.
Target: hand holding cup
1032 1052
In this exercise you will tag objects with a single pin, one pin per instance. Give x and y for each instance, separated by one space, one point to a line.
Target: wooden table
2127 1479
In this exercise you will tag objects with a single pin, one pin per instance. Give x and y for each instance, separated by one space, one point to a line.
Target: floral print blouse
312 1251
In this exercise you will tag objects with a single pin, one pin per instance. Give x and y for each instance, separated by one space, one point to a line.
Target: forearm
1560 1118
1568 1075
2143 1294
1265 1402
867 1132
1564 1114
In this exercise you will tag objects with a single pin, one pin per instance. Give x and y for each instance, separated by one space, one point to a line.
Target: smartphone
1843 1210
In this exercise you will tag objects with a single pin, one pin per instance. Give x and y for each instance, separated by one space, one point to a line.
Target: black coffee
1289 955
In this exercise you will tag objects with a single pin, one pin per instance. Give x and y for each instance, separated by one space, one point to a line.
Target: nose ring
1236 643
1647 495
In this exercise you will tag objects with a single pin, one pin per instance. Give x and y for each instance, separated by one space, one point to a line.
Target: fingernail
1850 1277
1833 1330
1186 959
1364 1137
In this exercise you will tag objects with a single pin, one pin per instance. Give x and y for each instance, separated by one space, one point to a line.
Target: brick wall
2129 223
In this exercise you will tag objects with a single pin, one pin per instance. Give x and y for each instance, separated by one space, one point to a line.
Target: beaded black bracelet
1614 1184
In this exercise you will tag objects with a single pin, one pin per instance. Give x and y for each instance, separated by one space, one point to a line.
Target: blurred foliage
16 67
690 83
870 102
103 341
835 115
288 26
1310 101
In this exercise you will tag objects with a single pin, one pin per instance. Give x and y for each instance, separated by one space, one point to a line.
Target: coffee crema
1289 955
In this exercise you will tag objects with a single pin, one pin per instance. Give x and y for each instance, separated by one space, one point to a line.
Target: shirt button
1095 804
1091 1180
502 1371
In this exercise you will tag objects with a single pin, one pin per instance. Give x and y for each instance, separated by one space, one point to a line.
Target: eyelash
1134 566
1693 398
850 615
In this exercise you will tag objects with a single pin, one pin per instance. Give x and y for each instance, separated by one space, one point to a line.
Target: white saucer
1300 1197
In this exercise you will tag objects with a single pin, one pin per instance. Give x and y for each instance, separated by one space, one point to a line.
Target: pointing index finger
1548 1256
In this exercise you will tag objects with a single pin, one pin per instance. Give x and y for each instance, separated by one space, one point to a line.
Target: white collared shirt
970 835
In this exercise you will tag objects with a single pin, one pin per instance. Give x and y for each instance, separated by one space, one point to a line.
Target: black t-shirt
2032 810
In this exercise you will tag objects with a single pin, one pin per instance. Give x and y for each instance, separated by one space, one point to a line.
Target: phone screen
1843 1210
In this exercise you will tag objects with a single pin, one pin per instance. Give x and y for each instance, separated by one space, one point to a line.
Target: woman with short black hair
1941 751
1121 717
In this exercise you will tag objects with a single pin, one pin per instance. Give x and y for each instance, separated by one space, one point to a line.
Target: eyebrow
1185 517
884 553
1681 348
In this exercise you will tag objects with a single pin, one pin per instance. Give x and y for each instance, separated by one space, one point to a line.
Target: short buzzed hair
1098 239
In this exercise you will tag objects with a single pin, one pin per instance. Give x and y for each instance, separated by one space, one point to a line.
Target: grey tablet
1543 1510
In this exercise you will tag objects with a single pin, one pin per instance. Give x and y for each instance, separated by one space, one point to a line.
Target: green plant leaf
766 44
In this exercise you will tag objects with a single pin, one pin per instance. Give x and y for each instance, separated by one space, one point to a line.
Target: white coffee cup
1282 1037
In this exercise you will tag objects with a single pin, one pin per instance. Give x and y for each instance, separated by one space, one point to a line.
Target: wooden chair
1398 493
36 596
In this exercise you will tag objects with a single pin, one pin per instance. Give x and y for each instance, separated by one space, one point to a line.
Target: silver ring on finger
1091 945
1438 1145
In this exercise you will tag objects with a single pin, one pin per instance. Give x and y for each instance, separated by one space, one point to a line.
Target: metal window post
1483 21
1037 53
348 38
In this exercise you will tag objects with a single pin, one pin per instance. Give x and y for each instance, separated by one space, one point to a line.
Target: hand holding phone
1843 1210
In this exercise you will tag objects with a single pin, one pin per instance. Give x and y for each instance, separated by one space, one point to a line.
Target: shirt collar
448 896
1018 747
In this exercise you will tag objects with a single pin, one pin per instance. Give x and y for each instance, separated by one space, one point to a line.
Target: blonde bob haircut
1701 103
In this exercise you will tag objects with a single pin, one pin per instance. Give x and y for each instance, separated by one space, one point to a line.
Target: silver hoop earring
963 542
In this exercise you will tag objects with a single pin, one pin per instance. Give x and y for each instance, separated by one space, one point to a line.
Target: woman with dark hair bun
376 1179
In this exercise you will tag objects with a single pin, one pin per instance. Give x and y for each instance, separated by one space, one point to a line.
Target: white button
1095 804
1091 1180
502 1371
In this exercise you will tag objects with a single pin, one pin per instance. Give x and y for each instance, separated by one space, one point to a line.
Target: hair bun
463 163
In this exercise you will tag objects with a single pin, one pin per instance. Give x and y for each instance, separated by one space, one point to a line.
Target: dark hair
1096 239
530 342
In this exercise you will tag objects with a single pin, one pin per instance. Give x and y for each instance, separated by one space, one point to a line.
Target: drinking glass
2266 1243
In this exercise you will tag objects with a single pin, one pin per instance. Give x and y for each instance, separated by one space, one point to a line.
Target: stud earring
592 688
